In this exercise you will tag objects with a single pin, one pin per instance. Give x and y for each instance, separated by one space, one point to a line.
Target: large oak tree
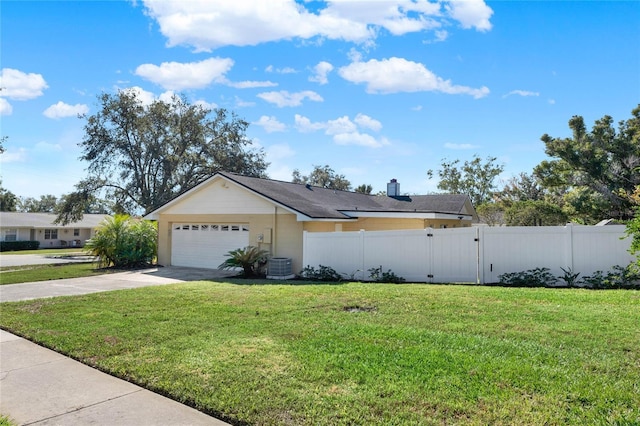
141 156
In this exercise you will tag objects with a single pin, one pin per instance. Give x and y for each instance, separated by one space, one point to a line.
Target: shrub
538 277
251 259
377 275
19 245
570 277
618 277
323 273
124 242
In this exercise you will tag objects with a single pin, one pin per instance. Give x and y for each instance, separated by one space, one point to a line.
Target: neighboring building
229 211
40 227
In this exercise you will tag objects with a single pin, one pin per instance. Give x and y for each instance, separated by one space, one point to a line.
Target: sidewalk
41 387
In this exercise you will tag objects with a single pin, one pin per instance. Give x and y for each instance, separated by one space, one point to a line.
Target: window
76 232
10 234
195 227
50 234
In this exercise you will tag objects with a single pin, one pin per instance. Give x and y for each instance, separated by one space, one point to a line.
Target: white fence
476 254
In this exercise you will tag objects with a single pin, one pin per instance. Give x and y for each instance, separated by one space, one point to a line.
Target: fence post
362 259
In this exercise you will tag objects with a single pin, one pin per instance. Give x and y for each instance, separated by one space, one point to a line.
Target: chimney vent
393 188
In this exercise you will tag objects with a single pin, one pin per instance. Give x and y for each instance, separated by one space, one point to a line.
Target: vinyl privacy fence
473 255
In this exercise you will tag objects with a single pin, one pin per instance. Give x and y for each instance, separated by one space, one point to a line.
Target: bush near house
124 242
19 245
251 259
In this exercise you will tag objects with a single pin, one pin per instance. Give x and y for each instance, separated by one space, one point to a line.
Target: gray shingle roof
322 203
45 220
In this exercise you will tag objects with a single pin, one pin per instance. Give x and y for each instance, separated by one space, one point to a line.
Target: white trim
408 215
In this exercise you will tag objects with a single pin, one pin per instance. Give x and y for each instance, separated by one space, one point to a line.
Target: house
229 211
40 227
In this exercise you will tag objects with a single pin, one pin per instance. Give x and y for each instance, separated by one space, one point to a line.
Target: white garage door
204 245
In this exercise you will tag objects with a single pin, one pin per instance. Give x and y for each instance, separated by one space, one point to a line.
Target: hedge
19 245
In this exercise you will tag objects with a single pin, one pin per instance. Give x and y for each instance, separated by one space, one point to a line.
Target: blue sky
375 89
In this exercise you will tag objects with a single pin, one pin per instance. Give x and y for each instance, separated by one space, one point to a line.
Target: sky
377 90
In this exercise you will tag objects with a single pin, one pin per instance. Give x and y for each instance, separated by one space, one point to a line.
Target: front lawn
360 353
33 273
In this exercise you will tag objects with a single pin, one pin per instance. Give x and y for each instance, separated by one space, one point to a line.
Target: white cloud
192 75
279 152
320 72
471 14
395 75
285 70
61 110
252 84
270 124
144 96
521 93
11 156
5 107
47 147
21 86
344 131
552 101
211 24
205 104
368 122
460 146
286 99
241 103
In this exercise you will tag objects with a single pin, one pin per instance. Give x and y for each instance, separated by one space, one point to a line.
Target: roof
322 203
45 220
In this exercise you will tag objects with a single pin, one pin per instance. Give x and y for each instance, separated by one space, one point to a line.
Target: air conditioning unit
279 268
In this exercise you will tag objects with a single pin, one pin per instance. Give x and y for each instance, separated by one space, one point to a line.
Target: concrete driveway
108 282
41 259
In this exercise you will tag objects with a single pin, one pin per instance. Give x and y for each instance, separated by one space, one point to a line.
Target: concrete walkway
41 387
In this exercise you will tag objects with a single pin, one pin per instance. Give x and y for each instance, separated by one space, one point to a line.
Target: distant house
40 227
229 211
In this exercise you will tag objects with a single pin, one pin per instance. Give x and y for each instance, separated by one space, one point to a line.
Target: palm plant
249 258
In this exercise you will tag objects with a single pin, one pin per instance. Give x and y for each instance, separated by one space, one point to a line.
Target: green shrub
570 277
538 277
251 259
323 273
124 242
19 245
377 275
619 277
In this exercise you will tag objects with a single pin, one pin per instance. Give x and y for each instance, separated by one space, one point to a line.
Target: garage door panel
204 245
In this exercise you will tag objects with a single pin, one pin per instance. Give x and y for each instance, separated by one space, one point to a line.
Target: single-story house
230 211
16 226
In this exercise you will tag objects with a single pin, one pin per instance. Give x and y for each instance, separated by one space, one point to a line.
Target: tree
8 200
324 177
491 213
534 213
141 156
523 187
364 189
602 161
473 178
46 204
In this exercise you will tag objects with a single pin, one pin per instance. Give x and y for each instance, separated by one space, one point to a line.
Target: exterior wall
65 236
383 224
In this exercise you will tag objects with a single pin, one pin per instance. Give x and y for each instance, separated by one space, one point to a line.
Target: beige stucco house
15 226
229 211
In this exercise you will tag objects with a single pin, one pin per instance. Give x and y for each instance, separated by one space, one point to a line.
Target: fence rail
475 255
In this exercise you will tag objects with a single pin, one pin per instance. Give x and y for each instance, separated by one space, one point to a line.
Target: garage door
204 245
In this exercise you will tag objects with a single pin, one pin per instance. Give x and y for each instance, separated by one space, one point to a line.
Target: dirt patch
359 308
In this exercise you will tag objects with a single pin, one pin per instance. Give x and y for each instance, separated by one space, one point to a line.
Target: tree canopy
598 168
141 156
474 178
324 177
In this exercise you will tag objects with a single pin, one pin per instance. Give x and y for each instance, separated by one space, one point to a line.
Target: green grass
360 353
33 273
6 421
60 251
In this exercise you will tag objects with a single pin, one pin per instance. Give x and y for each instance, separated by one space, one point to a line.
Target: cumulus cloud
14 156
192 75
285 70
345 131
252 84
21 86
395 75
320 72
286 99
521 93
270 124
471 14
61 110
5 107
211 24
